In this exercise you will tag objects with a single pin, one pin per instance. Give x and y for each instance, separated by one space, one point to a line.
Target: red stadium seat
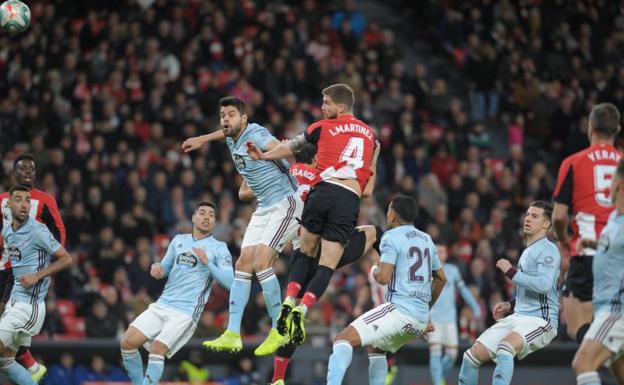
66 307
74 326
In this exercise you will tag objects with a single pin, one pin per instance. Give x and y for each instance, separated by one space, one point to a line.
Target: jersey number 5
603 174
414 269
353 153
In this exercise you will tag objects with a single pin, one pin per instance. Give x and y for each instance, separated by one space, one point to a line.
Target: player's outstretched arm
437 284
277 151
245 193
62 261
192 144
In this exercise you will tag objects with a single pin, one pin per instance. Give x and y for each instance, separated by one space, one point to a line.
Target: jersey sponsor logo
12 253
186 260
410 329
239 161
351 128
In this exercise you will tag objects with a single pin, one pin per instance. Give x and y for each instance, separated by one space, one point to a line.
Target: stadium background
475 104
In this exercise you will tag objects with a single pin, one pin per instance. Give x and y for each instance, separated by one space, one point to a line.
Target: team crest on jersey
239 161
13 253
186 260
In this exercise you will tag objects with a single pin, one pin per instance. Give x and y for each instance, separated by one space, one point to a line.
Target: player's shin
281 361
298 273
469 372
134 365
154 370
377 368
448 360
239 295
317 287
339 361
16 372
435 364
271 292
505 354
26 359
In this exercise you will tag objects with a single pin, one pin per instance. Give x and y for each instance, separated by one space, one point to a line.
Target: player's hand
192 144
203 258
29 280
500 310
253 150
584 243
157 271
428 329
503 265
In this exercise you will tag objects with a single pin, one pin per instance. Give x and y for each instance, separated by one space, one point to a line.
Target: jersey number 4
415 252
603 175
353 153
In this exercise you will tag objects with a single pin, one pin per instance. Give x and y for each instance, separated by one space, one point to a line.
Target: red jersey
583 184
306 176
43 208
344 148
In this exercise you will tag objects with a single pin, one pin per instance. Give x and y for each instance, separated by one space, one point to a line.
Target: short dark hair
305 153
604 119
234 102
21 158
340 93
546 206
405 207
19 187
206 203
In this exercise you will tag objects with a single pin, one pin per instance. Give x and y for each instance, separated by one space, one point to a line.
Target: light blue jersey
608 267
29 250
536 281
269 179
414 256
445 308
188 280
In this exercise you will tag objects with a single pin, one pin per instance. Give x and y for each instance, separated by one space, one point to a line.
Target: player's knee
127 342
470 358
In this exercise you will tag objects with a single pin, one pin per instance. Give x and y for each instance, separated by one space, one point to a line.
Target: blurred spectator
99 370
192 369
62 373
101 322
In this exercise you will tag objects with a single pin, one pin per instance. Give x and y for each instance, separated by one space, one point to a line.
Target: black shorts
6 284
580 279
331 211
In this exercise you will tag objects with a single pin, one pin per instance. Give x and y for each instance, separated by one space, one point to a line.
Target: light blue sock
448 361
377 369
589 378
134 365
154 370
339 361
272 293
16 372
239 295
469 372
505 354
435 366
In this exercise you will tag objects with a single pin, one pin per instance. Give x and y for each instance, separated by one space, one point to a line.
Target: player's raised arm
192 144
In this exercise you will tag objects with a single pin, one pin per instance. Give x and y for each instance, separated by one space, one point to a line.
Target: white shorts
171 327
536 332
20 322
443 334
276 225
386 328
608 329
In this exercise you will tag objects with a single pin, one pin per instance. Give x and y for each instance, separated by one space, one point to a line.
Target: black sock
378 240
287 350
580 334
354 249
299 267
319 283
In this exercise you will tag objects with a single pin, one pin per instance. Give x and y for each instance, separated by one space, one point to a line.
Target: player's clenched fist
253 151
503 265
192 144
157 271
501 310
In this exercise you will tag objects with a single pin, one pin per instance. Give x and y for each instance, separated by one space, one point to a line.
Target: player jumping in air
582 191
344 162
28 244
272 225
191 264
410 266
44 209
604 341
529 322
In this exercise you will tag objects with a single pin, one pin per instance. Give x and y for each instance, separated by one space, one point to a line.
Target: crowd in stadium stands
104 99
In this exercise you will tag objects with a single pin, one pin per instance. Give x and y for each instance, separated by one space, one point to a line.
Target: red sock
280 364
309 299
292 290
26 359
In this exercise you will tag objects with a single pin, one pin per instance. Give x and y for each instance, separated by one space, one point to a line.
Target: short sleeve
46 241
389 253
169 258
263 138
313 133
